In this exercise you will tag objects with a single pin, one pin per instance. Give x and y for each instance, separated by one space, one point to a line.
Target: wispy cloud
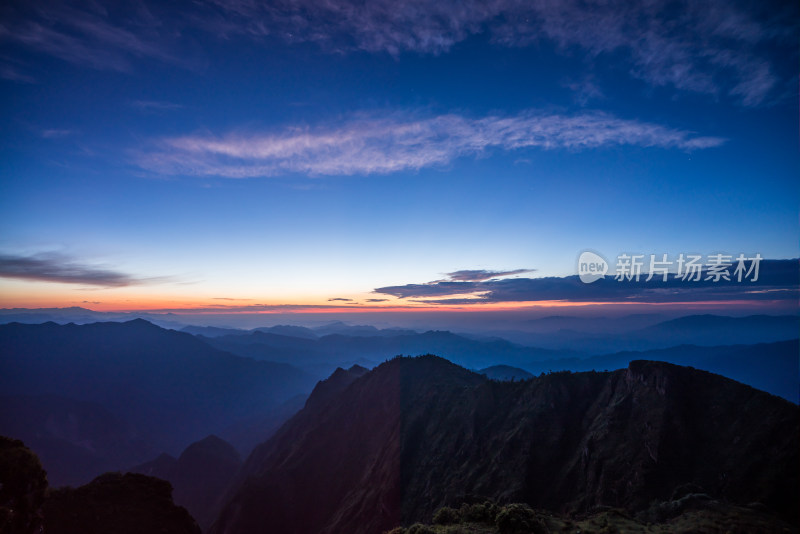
85 33
713 47
52 267
482 274
340 299
778 280
401 141
688 45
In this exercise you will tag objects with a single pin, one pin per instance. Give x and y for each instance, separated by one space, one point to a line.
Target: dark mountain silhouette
328 389
122 504
415 434
23 488
771 367
113 502
168 386
505 372
199 476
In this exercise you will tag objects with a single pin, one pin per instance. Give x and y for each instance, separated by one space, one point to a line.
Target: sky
243 156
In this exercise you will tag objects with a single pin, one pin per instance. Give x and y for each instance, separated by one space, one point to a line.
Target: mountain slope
167 386
418 433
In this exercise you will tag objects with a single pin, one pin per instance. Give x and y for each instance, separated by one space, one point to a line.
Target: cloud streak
713 47
402 141
692 46
51 267
778 280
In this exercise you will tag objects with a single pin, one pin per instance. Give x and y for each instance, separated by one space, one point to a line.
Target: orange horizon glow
243 306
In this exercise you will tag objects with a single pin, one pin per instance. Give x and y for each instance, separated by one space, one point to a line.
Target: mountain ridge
418 433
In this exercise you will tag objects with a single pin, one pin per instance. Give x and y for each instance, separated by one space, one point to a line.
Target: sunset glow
362 165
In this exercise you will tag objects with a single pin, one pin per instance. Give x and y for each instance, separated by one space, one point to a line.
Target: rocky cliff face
419 433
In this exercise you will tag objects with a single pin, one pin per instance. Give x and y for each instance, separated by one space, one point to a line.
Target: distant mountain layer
78 315
142 383
298 331
416 434
329 351
716 329
577 334
772 367
603 335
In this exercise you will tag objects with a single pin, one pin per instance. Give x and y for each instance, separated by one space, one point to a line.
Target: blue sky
288 153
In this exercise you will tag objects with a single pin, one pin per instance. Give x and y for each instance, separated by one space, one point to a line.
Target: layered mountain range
375 449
